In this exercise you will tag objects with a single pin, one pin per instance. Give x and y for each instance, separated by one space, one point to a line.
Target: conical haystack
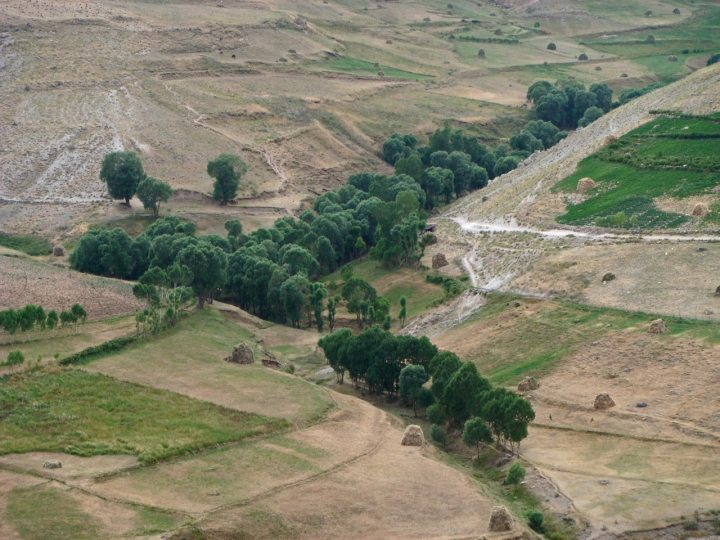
500 520
413 436
700 210
585 183
657 327
603 401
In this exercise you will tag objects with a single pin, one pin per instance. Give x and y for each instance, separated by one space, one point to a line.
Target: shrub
425 397
714 59
690 525
438 434
89 354
516 474
535 520
436 415
15 358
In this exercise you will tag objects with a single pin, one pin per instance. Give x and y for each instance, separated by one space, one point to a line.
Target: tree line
458 396
125 177
32 317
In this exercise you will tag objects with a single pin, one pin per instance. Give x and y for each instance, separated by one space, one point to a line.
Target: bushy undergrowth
32 245
91 353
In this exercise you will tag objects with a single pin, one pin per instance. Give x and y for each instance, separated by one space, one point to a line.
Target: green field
348 64
32 245
89 414
677 157
393 283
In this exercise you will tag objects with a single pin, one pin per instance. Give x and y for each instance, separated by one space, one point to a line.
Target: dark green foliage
442 368
32 317
122 172
476 433
152 192
30 244
227 170
376 356
14 358
208 265
565 105
463 390
714 59
438 434
591 114
516 474
412 378
424 397
92 353
450 285
535 519
110 253
436 415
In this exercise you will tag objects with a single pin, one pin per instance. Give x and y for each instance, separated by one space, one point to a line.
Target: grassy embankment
528 337
32 245
660 158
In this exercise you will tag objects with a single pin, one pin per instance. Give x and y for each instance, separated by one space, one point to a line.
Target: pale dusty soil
26 281
376 496
8 482
74 468
673 279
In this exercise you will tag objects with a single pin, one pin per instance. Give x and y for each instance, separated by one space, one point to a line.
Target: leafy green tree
317 293
411 165
403 310
152 192
208 265
436 415
476 433
536 520
714 59
326 254
298 259
335 348
582 102
442 367
9 320
461 393
538 90
331 308
545 132
79 312
15 358
552 107
526 141
505 165
424 397
516 474
52 319
293 294
592 114
227 170
412 378
66 318
357 291
387 322
604 94
122 172
438 434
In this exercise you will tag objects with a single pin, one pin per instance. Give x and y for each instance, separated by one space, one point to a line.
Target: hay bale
389 41
302 23
52 464
609 276
657 327
672 58
426 19
527 384
485 198
583 56
376 64
603 401
498 32
648 13
700 210
623 75
438 261
481 53
381 73
552 47
585 183
58 251
717 291
676 11
610 139
598 68
413 436
650 37
500 520
241 354
571 77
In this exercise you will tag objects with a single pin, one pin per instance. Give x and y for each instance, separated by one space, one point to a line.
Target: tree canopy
122 172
